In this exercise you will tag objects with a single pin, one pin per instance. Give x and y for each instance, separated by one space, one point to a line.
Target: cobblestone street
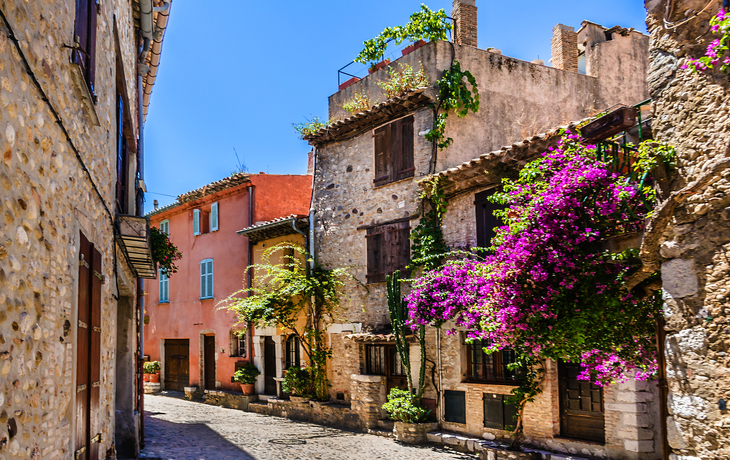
183 430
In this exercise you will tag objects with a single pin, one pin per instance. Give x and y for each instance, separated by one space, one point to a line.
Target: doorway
209 361
269 366
177 364
581 405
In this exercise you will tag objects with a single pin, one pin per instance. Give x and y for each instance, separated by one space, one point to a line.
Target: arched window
292 351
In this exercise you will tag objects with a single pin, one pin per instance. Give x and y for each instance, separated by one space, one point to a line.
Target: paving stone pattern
185 430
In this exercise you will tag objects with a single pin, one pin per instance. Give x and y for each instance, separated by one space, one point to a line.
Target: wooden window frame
388 250
292 357
393 147
235 344
496 359
498 412
83 53
209 280
485 225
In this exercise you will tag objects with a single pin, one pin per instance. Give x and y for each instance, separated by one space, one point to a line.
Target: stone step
379 432
386 424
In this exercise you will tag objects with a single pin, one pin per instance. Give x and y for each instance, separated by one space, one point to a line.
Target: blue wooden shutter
214 217
196 221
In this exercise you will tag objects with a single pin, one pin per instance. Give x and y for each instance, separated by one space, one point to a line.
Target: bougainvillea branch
163 251
546 289
717 51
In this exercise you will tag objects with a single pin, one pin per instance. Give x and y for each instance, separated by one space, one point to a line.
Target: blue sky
235 74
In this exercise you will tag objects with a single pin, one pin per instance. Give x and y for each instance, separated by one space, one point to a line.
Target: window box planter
349 82
413 433
375 67
413 47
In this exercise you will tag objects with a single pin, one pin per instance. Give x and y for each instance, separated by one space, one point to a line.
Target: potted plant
348 83
151 371
409 417
298 383
375 67
246 376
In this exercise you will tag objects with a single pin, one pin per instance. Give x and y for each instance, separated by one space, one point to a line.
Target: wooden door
209 361
269 366
581 405
88 352
177 364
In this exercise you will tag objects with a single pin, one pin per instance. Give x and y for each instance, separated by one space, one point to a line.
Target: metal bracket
97 438
96 329
83 324
100 276
80 388
78 453
83 262
96 384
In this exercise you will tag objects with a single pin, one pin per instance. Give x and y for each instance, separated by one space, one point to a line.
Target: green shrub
151 367
401 407
358 103
247 374
403 81
298 382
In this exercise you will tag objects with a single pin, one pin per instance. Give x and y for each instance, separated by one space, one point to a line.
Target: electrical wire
670 9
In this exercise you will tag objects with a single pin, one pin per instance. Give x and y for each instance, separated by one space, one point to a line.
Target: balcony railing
133 237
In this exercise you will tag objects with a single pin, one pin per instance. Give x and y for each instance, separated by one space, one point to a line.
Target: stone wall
367 396
691 112
48 198
564 48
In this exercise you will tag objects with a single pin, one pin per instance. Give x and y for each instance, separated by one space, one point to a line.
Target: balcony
133 237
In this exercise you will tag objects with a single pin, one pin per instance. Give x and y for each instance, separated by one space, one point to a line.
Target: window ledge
86 99
207 298
481 382
163 301
375 187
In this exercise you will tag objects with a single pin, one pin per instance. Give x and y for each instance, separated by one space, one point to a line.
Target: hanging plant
425 25
454 94
717 51
163 251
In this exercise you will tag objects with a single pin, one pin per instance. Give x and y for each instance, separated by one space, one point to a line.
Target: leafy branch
454 94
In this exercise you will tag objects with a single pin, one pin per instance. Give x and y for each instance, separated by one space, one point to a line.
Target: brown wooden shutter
91 48
95 358
81 444
399 247
486 220
403 148
376 249
85 36
383 150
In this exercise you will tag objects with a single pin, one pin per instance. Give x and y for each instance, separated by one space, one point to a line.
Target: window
84 49
497 413
165 227
206 279
196 221
394 151
239 344
292 351
382 358
122 159
214 217
486 220
483 367
455 406
389 249
164 286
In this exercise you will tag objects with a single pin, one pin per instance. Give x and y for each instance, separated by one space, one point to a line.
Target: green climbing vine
426 25
454 94
428 247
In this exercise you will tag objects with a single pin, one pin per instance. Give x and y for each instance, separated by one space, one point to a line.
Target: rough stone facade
465 22
691 113
58 177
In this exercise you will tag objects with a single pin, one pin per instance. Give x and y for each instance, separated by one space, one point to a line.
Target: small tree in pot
299 383
246 376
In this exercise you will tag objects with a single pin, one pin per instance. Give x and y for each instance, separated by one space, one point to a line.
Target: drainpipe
140 282
438 352
248 271
662 384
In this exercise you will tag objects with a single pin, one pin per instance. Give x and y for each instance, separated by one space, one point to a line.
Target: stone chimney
564 48
157 205
465 22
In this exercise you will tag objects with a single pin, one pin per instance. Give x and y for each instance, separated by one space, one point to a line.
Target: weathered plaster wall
47 200
691 113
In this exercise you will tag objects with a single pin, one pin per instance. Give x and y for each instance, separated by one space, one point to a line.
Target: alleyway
183 430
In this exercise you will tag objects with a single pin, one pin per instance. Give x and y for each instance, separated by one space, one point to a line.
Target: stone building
74 77
690 238
366 201
194 339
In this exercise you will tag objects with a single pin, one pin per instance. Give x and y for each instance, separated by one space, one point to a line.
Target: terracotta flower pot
413 47
247 389
154 378
348 83
146 377
378 66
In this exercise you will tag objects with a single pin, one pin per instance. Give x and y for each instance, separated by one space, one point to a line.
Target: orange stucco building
185 330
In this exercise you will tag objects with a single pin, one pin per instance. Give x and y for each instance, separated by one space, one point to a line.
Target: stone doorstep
381 432
479 445
151 388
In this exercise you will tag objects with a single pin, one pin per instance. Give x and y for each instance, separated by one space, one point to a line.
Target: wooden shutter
510 414
196 221
455 406
376 248
402 156
84 55
399 247
214 217
383 150
95 359
91 48
486 220
81 444
493 411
